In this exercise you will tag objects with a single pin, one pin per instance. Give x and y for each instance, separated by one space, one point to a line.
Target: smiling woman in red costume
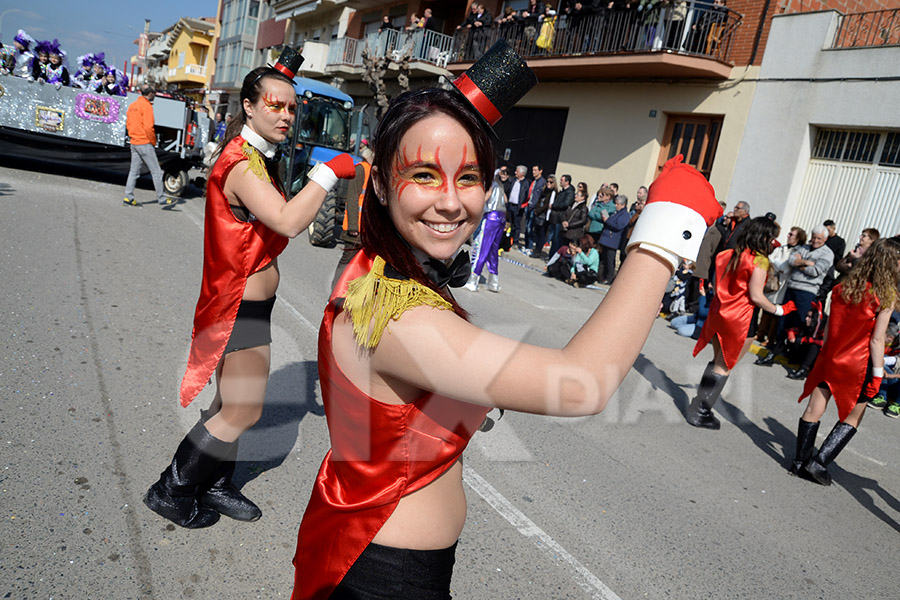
851 363
248 222
407 379
734 314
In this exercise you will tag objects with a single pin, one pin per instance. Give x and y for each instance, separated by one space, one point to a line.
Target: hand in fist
681 204
342 166
872 387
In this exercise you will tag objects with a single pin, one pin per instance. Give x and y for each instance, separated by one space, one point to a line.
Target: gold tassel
255 162
373 300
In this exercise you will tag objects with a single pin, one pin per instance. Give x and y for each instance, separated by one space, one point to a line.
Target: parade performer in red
407 379
851 364
734 314
248 222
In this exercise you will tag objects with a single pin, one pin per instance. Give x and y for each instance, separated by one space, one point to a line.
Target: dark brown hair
756 236
379 234
251 90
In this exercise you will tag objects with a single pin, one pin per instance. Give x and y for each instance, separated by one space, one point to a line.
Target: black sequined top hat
496 82
289 62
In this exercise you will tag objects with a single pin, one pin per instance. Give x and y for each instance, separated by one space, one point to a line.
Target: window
694 136
890 156
847 145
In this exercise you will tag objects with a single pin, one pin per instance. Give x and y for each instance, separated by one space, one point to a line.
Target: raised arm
435 350
294 216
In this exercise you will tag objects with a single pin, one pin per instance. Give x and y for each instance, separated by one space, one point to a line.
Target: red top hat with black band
496 82
289 62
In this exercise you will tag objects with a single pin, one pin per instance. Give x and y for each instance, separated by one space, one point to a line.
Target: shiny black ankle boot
699 413
221 494
806 444
817 466
175 495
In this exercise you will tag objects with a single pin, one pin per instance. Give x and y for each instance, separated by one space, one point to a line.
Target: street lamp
3 14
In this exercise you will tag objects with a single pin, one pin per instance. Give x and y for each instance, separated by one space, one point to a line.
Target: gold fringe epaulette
255 162
373 300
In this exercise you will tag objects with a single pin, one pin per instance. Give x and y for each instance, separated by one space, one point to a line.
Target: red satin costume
844 359
232 251
731 310
379 453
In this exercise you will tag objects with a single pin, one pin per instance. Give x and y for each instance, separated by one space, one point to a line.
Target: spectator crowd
598 26
45 62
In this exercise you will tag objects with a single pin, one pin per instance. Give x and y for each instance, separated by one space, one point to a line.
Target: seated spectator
585 263
560 264
888 396
803 345
691 325
613 227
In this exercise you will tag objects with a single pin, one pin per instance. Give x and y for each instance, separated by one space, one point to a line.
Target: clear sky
83 26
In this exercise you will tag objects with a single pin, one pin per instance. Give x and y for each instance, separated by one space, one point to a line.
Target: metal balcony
691 39
868 30
422 46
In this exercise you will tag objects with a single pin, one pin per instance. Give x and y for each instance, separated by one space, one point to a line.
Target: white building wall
804 85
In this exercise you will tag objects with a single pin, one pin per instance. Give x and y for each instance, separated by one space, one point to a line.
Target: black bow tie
276 158
456 275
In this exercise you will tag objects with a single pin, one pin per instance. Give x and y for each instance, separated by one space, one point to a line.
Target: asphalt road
97 300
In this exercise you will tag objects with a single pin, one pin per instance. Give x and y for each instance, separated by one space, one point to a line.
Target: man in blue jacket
611 236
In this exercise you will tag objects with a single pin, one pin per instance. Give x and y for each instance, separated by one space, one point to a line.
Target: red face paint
274 105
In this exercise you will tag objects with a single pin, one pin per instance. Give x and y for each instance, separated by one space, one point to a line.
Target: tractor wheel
321 230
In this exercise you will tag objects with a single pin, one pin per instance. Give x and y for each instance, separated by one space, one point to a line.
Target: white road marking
584 578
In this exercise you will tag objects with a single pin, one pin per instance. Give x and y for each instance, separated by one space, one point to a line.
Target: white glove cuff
669 257
674 228
779 310
877 371
324 176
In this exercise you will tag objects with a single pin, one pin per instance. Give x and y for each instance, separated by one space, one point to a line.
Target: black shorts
754 323
383 573
252 326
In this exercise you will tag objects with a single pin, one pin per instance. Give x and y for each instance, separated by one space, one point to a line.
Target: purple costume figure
22 54
486 246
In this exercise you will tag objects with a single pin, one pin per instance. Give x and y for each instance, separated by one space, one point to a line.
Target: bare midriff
431 518
263 284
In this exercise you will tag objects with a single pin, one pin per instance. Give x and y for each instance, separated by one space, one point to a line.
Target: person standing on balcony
428 21
385 24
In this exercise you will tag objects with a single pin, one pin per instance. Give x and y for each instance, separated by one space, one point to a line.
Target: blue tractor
326 125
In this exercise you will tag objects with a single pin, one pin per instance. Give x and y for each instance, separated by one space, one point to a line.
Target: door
694 136
531 136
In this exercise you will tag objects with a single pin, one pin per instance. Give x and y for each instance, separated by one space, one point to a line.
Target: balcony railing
421 45
687 27
198 70
868 30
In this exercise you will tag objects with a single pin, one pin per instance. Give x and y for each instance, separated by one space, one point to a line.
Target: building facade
823 134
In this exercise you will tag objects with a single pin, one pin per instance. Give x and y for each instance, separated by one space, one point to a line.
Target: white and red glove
874 383
327 174
785 309
681 204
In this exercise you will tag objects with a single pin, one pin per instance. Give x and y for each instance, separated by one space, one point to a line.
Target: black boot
817 466
806 445
222 495
800 372
174 496
699 413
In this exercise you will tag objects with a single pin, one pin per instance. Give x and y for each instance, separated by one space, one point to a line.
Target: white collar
257 141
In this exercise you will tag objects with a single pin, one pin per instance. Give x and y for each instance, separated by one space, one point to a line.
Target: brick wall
753 10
